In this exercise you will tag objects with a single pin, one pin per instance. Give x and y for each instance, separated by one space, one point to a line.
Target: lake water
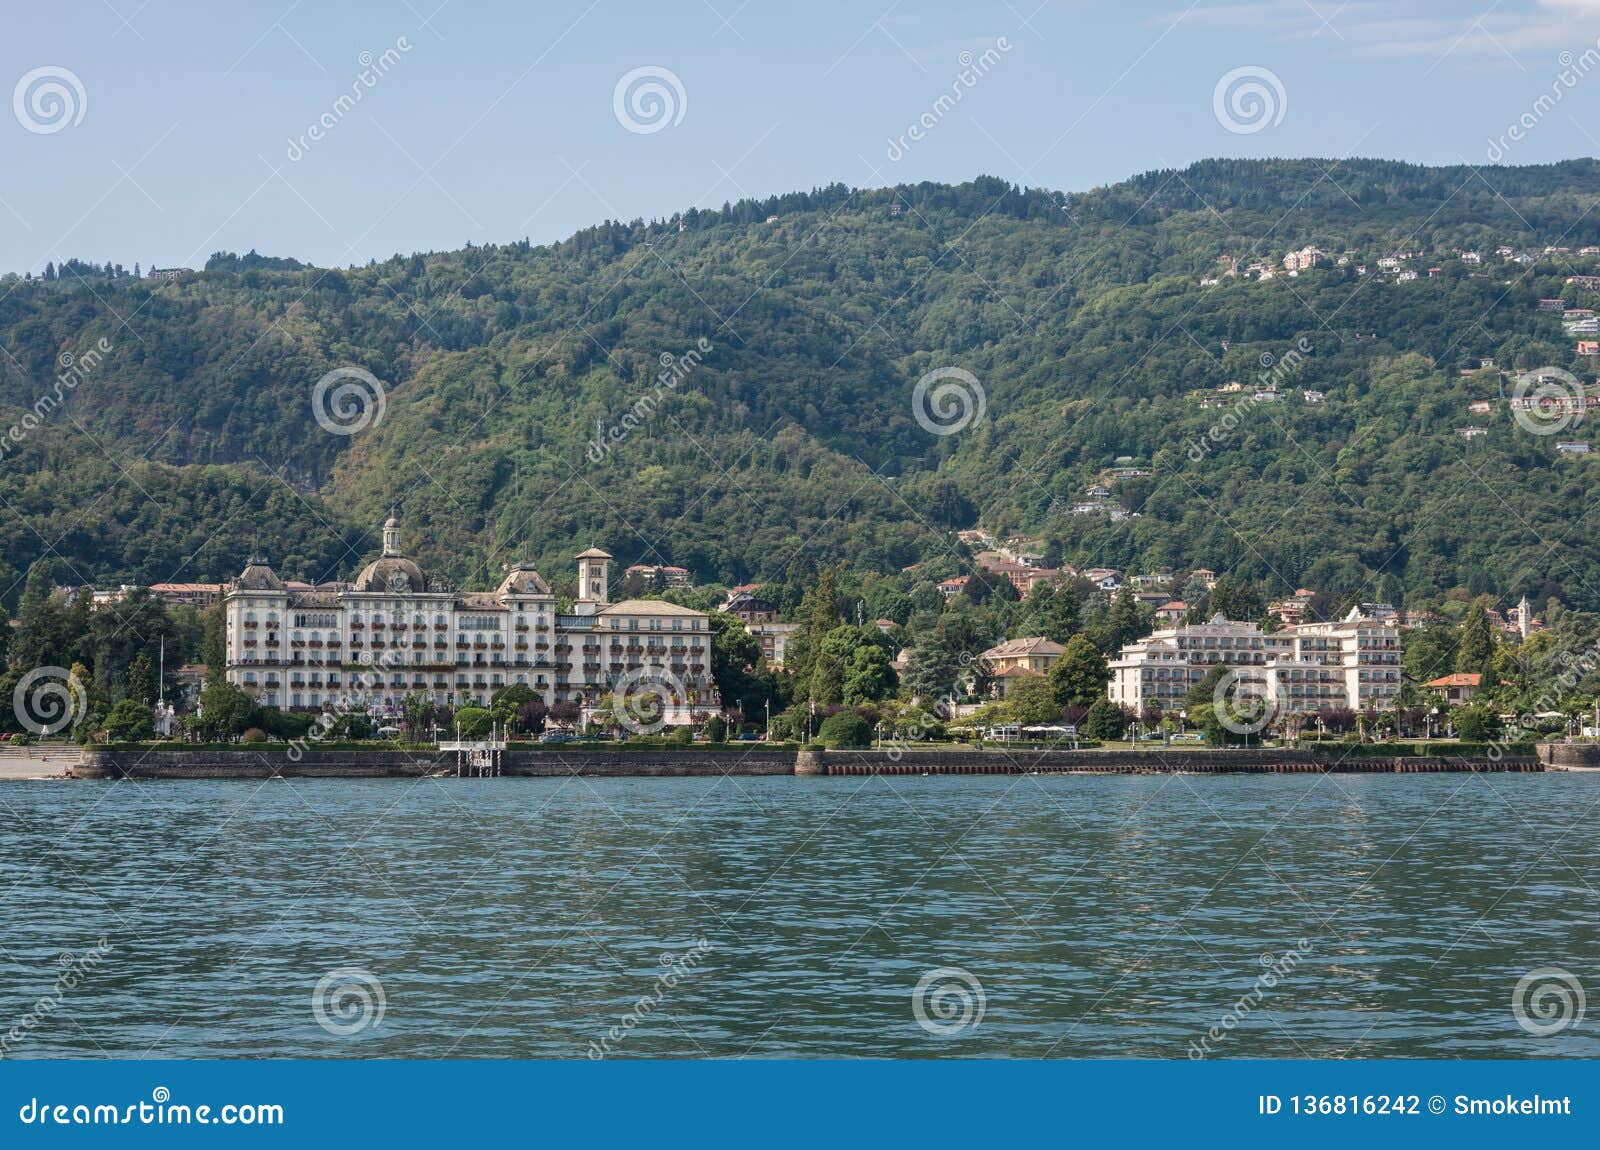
1322 916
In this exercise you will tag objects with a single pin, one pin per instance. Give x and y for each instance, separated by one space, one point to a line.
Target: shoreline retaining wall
1142 762
266 762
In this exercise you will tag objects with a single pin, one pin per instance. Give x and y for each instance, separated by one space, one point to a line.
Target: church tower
594 576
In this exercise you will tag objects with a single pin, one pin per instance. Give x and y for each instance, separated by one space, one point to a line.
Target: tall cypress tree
1476 651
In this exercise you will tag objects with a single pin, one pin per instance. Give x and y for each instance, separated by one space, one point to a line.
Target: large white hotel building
1354 663
391 634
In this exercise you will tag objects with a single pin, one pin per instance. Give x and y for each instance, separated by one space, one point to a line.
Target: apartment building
1353 662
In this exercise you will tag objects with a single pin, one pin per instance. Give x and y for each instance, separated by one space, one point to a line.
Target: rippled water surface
1101 917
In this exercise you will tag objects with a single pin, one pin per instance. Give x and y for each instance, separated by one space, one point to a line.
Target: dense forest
732 391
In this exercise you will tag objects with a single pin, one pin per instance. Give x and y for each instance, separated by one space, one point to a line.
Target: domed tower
393 573
594 576
391 535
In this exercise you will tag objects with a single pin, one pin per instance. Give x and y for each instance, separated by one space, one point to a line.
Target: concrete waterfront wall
265 762
1570 756
1153 761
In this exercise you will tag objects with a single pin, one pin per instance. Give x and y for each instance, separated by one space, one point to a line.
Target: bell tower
594 577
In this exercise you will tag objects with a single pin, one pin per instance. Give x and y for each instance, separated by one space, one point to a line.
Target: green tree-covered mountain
785 438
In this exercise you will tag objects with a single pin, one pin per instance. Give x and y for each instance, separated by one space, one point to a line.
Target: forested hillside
785 438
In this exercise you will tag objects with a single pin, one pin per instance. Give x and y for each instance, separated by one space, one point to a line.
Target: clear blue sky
498 122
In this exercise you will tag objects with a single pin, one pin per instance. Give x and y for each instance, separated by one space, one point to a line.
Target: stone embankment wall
264 762
1153 761
1570 756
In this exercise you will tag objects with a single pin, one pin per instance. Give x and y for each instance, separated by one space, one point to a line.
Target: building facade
393 633
774 639
1354 663
1018 658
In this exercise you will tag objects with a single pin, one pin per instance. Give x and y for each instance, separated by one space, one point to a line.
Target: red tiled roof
1458 679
